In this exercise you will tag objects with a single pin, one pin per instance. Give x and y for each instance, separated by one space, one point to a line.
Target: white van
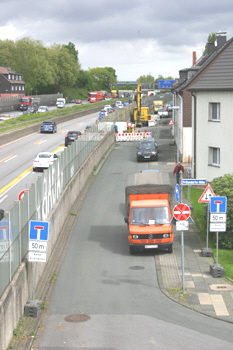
61 102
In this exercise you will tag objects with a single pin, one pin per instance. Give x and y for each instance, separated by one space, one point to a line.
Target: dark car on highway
147 150
48 126
71 136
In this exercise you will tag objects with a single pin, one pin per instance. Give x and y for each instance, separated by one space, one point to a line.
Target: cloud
135 37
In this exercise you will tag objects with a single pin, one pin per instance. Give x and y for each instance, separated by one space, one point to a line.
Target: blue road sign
218 204
177 192
38 230
193 181
165 83
5 233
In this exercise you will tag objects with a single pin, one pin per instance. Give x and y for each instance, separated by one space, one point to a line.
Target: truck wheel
131 250
170 249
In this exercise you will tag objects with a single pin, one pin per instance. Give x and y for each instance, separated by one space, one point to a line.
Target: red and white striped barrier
135 136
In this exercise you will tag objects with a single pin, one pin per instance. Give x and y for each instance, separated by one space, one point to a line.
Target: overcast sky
135 37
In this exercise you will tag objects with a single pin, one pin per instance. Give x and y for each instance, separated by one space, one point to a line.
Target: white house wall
187 145
217 134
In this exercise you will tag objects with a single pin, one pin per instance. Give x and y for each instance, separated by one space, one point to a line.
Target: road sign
165 83
171 122
218 204
37 246
217 227
193 181
182 225
36 257
21 194
177 192
206 195
38 230
218 217
5 232
181 212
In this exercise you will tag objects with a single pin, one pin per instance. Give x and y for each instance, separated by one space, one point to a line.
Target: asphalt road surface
105 298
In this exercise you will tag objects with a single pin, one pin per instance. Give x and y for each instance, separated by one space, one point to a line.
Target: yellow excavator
141 115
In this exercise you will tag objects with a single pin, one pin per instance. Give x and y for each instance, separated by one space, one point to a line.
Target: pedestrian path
199 291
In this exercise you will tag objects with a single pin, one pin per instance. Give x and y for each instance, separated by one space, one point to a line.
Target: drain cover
221 287
77 318
137 267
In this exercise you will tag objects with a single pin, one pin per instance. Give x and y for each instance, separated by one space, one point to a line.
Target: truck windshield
150 216
25 99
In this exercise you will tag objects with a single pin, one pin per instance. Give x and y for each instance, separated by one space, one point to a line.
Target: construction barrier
135 136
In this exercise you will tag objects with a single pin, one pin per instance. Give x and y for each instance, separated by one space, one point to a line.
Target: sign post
205 198
37 244
181 213
218 207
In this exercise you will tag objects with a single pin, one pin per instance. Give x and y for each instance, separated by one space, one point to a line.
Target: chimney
211 47
194 58
221 40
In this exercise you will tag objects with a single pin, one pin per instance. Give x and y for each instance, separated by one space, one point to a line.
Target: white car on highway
43 160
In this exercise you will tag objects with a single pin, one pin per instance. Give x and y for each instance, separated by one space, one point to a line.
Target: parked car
30 109
106 107
77 101
48 126
163 113
4 117
103 113
42 109
71 136
88 127
120 105
43 160
147 150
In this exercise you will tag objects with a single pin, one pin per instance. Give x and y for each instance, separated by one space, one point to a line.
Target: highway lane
16 158
117 292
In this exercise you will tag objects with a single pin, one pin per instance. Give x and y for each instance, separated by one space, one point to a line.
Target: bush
223 187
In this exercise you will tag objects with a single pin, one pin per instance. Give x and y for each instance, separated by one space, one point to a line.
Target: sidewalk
200 291
197 289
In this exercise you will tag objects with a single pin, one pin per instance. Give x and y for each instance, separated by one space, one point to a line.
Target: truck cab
61 102
149 214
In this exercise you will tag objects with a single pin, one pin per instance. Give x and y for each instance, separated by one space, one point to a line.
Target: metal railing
38 202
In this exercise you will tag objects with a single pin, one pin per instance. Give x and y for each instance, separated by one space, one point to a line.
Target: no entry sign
181 212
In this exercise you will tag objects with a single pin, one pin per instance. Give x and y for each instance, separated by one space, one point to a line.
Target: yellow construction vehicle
141 115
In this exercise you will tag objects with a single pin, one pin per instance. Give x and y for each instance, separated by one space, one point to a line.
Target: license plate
151 246
146 156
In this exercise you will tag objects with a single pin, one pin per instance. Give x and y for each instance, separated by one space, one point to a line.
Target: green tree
7 48
146 79
102 78
223 187
211 39
65 67
72 50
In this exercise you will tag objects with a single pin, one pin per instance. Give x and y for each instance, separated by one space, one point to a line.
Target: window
150 216
214 156
214 111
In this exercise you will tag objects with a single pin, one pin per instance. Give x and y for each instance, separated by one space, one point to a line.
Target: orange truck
149 217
